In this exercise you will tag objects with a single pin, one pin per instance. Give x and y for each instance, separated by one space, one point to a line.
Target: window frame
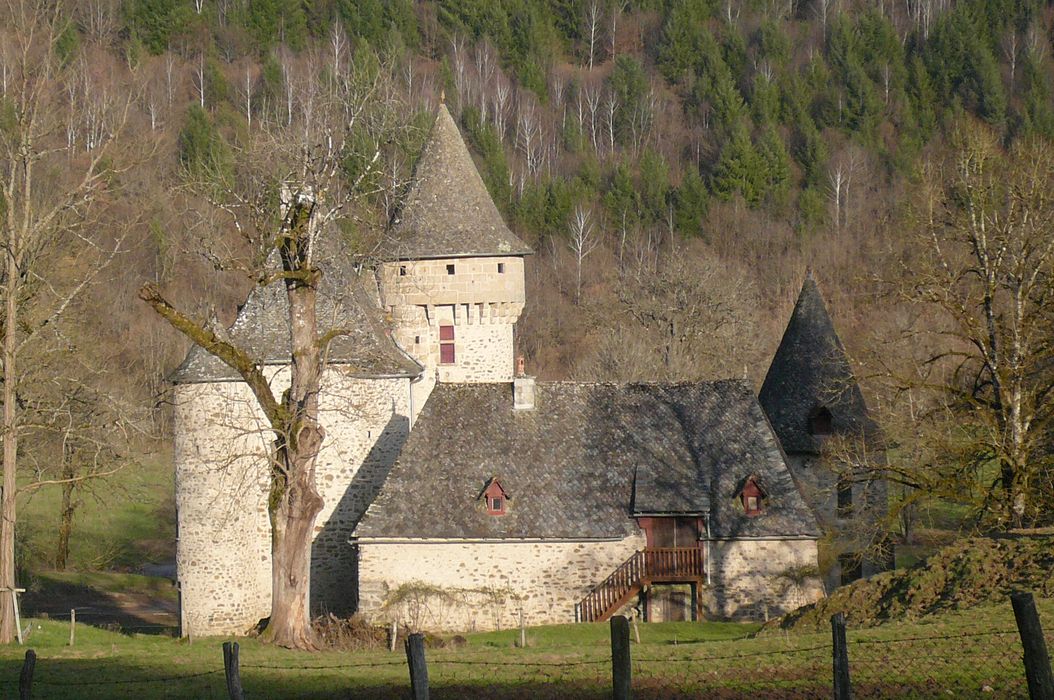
447 345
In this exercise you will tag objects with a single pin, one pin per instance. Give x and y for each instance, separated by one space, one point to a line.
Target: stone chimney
522 388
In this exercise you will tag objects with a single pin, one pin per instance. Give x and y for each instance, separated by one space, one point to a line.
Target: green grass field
125 520
973 653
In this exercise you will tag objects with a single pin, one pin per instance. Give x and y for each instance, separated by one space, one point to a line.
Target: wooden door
674 532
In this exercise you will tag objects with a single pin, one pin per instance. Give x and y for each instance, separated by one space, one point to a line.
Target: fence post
620 659
1037 661
230 670
393 635
25 679
843 689
73 623
415 658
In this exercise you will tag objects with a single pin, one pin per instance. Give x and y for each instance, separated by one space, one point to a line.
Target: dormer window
821 422
494 497
752 497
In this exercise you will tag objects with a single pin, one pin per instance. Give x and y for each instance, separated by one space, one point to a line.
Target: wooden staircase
645 567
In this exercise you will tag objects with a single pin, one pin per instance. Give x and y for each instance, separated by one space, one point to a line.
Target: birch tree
981 286
582 242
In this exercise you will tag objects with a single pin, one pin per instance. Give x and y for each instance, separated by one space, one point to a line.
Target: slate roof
584 461
811 370
345 301
448 211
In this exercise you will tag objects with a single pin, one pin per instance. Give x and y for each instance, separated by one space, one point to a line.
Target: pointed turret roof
811 371
345 301
448 211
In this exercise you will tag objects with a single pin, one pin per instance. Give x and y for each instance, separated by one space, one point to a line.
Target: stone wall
474 281
847 535
481 303
221 447
754 579
459 586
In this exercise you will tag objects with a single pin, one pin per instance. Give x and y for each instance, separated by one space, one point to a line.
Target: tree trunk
292 528
295 502
62 549
10 436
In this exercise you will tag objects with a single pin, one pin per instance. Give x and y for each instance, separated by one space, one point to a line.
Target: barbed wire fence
1008 661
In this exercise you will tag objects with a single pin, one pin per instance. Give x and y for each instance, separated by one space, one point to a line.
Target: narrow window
450 269
752 504
417 340
845 498
446 345
501 268
821 422
402 270
851 566
496 504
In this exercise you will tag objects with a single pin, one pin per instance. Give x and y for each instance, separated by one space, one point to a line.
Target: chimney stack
522 388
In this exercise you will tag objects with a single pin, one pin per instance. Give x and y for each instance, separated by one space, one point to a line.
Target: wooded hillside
676 165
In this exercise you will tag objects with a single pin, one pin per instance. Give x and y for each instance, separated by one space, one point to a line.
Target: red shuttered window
446 345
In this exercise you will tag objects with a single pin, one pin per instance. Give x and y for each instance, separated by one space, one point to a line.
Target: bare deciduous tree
978 334
291 185
45 203
583 241
592 21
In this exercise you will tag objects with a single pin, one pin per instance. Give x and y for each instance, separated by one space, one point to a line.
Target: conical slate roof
811 371
448 211
344 302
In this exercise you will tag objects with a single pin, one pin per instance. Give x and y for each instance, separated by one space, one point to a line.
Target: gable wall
221 447
748 579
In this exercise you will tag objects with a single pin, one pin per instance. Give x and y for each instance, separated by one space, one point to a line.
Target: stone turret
811 396
223 444
453 283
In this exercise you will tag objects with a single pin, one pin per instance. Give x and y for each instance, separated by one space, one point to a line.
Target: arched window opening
821 422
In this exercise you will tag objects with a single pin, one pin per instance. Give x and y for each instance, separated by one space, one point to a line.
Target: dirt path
129 610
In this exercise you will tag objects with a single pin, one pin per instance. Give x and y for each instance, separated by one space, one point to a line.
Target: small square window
752 504
496 504
501 268
450 269
402 270
417 340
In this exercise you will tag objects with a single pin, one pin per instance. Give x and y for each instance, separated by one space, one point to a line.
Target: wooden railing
659 564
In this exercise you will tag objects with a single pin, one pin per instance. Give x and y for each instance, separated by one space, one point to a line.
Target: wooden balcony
645 567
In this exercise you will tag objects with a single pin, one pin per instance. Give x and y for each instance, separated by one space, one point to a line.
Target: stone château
461 493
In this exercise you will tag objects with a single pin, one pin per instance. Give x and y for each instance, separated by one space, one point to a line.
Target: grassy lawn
972 653
125 520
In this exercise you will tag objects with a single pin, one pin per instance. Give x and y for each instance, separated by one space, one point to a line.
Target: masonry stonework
480 298
223 547
754 579
487 583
